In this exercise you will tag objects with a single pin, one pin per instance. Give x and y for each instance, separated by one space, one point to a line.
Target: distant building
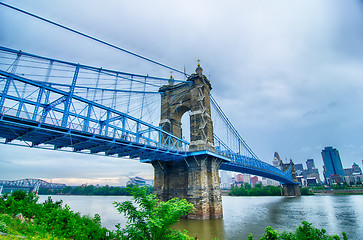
246 178
254 180
238 178
140 181
356 169
299 169
333 168
225 179
354 179
309 176
353 175
269 182
310 164
301 180
311 182
348 172
311 173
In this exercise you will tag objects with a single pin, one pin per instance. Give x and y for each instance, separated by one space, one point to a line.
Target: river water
245 215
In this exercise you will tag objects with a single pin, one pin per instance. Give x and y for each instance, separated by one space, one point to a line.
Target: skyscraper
311 173
299 168
332 164
310 164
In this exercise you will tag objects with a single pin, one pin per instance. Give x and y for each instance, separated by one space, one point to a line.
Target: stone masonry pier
195 178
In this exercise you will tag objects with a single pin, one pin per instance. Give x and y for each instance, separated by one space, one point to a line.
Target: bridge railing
230 144
80 115
98 101
246 162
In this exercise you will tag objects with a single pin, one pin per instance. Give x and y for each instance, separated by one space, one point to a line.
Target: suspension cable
93 38
231 127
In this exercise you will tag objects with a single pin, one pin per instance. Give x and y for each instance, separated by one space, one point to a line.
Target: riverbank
282 214
339 192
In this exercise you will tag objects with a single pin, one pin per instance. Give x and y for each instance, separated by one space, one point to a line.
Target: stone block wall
196 179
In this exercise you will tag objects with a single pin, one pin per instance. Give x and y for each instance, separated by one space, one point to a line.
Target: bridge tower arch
195 178
192 96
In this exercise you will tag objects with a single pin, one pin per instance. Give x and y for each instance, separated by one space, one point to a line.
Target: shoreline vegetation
22 217
91 190
243 190
247 190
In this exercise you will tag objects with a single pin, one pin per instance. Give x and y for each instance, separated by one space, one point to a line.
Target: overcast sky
288 74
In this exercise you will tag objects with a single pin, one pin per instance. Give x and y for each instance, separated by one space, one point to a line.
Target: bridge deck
43 135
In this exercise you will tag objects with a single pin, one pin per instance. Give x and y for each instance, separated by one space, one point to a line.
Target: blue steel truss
45 114
47 103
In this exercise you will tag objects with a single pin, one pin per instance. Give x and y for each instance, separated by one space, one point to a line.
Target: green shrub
3 227
151 219
48 219
303 232
305 191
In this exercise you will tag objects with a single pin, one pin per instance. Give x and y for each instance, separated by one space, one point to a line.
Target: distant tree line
345 185
90 190
247 190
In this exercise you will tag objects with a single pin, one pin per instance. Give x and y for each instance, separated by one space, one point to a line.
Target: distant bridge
30 184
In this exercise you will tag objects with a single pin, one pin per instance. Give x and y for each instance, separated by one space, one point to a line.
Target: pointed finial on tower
171 81
199 70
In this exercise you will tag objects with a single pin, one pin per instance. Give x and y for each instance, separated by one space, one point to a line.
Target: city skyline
321 171
287 74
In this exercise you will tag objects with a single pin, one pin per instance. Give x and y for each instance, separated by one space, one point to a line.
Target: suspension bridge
53 104
59 105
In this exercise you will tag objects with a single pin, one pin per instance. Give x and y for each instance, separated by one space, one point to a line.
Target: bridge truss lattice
48 103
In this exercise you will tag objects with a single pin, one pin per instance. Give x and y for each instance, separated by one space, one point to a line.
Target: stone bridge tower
195 178
291 189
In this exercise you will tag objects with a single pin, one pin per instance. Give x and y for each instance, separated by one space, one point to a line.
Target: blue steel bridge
59 105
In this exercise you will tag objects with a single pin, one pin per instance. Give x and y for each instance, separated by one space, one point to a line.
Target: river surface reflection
245 215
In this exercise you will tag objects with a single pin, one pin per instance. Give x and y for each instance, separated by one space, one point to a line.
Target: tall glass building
310 164
333 167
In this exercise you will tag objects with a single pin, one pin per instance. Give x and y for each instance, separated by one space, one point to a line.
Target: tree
151 219
247 186
305 191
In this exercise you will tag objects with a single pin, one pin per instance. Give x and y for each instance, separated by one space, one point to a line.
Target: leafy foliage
151 219
48 218
303 232
147 218
258 190
306 191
